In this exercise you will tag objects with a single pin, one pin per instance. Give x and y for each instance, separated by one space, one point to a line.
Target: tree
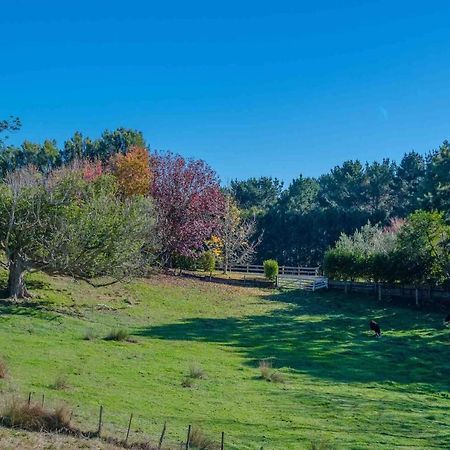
44 156
60 223
189 203
8 125
437 180
133 172
422 246
109 144
408 184
256 194
379 188
364 254
237 236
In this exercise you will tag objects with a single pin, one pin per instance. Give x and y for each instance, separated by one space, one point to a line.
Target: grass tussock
268 374
187 382
200 441
33 417
3 369
321 445
89 335
60 383
119 335
196 372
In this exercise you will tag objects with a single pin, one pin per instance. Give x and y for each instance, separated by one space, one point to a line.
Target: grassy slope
342 384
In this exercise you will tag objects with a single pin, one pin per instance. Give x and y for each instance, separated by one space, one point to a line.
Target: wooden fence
258 269
305 282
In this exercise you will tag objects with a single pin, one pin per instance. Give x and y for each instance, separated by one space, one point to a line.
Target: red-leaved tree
189 203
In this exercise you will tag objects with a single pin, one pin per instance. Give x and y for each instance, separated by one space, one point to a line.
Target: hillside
340 384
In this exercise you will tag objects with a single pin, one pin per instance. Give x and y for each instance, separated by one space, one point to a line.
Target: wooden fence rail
283 270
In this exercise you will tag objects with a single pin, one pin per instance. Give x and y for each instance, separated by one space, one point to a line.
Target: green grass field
341 385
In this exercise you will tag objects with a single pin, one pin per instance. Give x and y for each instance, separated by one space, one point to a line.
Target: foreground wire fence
128 429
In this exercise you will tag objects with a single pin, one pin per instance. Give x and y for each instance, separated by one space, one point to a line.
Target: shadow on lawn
30 307
326 335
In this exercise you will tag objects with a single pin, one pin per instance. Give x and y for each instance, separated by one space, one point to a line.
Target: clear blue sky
253 87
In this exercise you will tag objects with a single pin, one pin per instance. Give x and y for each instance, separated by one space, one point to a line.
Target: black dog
375 327
447 320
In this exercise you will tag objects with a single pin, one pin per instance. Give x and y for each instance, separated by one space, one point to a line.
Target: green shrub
270 269
208 261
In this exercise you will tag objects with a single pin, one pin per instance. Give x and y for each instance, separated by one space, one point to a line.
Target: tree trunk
16 282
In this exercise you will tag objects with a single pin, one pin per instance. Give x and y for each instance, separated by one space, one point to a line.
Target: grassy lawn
341 385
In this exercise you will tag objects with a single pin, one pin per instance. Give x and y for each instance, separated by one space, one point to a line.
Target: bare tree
238 236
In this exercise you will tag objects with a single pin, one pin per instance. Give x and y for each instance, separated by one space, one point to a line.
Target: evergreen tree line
299 223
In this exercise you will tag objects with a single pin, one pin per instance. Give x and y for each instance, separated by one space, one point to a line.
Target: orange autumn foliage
133 172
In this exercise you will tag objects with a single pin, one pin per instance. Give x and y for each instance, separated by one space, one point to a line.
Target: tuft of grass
187 382
89 335
196 372
118 335
265 368
268 374
200 441
60 383
277 377
321 445
3 369
34 417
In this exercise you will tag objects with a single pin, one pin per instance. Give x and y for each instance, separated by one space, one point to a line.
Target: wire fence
130 429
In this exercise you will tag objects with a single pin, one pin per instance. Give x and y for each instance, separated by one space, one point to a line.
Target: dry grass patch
33 417
200 441
3 369
268 374
60 383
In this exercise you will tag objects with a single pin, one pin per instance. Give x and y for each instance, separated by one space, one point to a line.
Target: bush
270 269
3 369
208 261
118 335
34 417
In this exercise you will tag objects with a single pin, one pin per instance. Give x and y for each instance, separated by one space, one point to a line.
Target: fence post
247 268
162 436
222 441
100 421
282 270
129 426
42 404
29 399
188 438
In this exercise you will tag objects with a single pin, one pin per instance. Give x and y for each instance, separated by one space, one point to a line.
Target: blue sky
253 87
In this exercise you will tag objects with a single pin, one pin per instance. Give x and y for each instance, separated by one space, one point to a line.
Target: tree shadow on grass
326 335
30 307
